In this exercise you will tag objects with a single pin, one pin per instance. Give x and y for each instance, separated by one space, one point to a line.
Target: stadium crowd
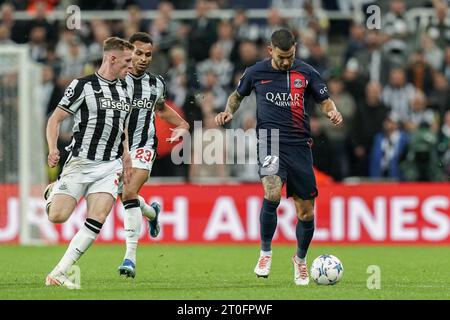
391 85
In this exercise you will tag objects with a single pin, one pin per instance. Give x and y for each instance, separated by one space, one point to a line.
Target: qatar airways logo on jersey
142 103
107 103
283 99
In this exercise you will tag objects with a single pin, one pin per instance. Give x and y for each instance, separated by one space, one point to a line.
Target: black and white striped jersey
101 108
145 91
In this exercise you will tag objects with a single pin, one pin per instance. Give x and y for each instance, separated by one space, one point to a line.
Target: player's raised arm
233 103
52 133
169 115
329 108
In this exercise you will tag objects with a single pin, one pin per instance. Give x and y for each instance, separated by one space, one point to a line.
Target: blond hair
115 43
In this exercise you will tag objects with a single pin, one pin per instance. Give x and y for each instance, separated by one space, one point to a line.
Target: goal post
23 162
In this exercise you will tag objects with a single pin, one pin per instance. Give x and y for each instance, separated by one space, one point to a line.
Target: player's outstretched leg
304 232
132 226
152 212
268 224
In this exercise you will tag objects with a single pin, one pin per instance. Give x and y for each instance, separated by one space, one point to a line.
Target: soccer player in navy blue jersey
282 85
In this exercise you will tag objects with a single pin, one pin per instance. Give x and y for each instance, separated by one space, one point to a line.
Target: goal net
23 170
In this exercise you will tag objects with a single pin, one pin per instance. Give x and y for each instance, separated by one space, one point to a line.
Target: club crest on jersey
298 83
107 103
153 89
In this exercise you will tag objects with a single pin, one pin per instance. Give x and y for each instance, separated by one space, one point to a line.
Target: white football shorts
141 158
81 177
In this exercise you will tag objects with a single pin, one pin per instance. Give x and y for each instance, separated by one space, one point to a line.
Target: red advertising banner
345 214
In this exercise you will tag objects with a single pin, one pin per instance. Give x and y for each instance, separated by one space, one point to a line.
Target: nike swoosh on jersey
265 81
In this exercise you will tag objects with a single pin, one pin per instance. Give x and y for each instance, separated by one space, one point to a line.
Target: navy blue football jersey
281 97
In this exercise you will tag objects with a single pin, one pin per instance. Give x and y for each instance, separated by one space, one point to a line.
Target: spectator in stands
321 148
356 42
439 98
164 29
203 33
66 38
72 64
243 29
135 19
434 55
50 92
53 60
372 62
18 30
274 21
389 149
101 32
226 40
396 26
419 114
439 28
419 72
340 135
40 19
210 82
367 123
398 93
314 19
5 35
38 45
318 60
177 76
217 63
422 163
247 172
248 55
247 107
355 83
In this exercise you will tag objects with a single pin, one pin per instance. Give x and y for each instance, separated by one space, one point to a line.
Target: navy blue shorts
294 165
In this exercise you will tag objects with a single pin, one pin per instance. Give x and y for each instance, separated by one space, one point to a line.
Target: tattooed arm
233 103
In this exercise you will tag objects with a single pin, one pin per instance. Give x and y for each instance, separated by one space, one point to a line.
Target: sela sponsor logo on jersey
142 103
153 89
108 103
284 99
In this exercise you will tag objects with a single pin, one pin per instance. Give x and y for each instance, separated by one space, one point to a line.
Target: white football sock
265 253
132 226
147 210
300 260
79 244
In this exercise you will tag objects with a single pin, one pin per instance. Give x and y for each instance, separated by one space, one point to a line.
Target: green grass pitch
178 272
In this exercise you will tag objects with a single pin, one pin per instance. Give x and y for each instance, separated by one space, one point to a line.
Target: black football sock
304 232
268 223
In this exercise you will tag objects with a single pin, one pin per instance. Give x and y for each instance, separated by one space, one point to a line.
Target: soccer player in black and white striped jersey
147 93
99 151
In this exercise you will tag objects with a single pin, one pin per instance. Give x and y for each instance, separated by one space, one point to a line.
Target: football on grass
327 269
